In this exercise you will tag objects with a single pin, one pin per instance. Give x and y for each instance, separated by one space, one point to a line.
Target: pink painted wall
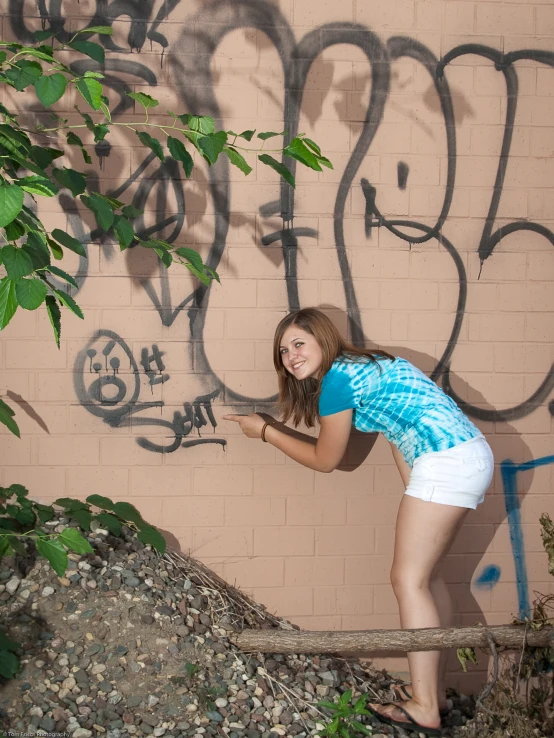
315 548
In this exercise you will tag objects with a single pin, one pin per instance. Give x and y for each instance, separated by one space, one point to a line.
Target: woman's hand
251 425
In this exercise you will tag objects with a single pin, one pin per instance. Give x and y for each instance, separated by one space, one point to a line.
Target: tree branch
422 639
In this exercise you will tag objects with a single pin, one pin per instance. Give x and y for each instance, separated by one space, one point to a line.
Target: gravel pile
128 643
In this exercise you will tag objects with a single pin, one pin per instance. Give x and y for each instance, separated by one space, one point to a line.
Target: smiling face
300 353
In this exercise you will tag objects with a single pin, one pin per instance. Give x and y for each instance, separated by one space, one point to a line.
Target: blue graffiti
509 472
488 578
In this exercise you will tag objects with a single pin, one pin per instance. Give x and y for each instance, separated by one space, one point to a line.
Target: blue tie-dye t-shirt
396 399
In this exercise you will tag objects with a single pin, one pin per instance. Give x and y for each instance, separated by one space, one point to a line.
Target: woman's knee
405 580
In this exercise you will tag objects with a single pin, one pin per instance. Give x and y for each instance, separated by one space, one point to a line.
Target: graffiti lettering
103 392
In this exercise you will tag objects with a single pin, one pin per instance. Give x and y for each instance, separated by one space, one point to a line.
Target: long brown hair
298 398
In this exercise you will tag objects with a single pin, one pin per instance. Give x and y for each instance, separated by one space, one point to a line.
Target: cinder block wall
116 410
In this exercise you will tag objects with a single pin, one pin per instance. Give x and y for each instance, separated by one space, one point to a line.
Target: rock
12 585
47 591
82 733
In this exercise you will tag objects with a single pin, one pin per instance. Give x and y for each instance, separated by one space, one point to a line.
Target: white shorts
459 476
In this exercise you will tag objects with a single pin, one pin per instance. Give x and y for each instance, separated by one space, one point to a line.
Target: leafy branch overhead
30 168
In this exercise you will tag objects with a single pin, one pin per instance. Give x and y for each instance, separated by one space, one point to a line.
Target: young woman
324 377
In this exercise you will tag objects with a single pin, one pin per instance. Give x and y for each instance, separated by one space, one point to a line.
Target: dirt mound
128 643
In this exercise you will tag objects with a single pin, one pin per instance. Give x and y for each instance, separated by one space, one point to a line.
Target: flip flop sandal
401 688
410 724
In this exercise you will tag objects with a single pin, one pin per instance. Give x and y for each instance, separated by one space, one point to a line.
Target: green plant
20 521
20 516
344 716
28 171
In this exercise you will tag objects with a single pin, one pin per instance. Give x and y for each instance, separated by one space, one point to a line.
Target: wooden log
360 641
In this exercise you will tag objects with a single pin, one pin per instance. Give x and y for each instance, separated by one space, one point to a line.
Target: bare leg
440 594
424 533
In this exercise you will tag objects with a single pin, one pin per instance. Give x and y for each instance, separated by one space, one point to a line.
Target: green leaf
147 140
7 644
44 512
91 91
200 123
130 211
8 301
72 179
83 517
178 151
191 255
70 503
102 30
39 52
102 210
360 703
103 503
237 159
198 274
23 74
165 256
72 539
333 726
327 705
100 132
54 314
110 522
69 242
264 135
115 204
312 145
63 275
70 303
150 535
245 134
30 293
9 664
11 202
6 418
95 51
5 548
44 156
124 232
56 554
14 230
298 150
212 273
38 186
361 727
57 250
43 35
74 140
128 512
17 137
10 525
50 88
17 262
145 100
212 146
345 697
25 517
278 167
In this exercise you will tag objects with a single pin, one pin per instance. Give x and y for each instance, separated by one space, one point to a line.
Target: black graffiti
146 360
220 17
109 389
139 11
197 45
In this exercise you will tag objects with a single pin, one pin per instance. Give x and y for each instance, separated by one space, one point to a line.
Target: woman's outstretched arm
323 453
